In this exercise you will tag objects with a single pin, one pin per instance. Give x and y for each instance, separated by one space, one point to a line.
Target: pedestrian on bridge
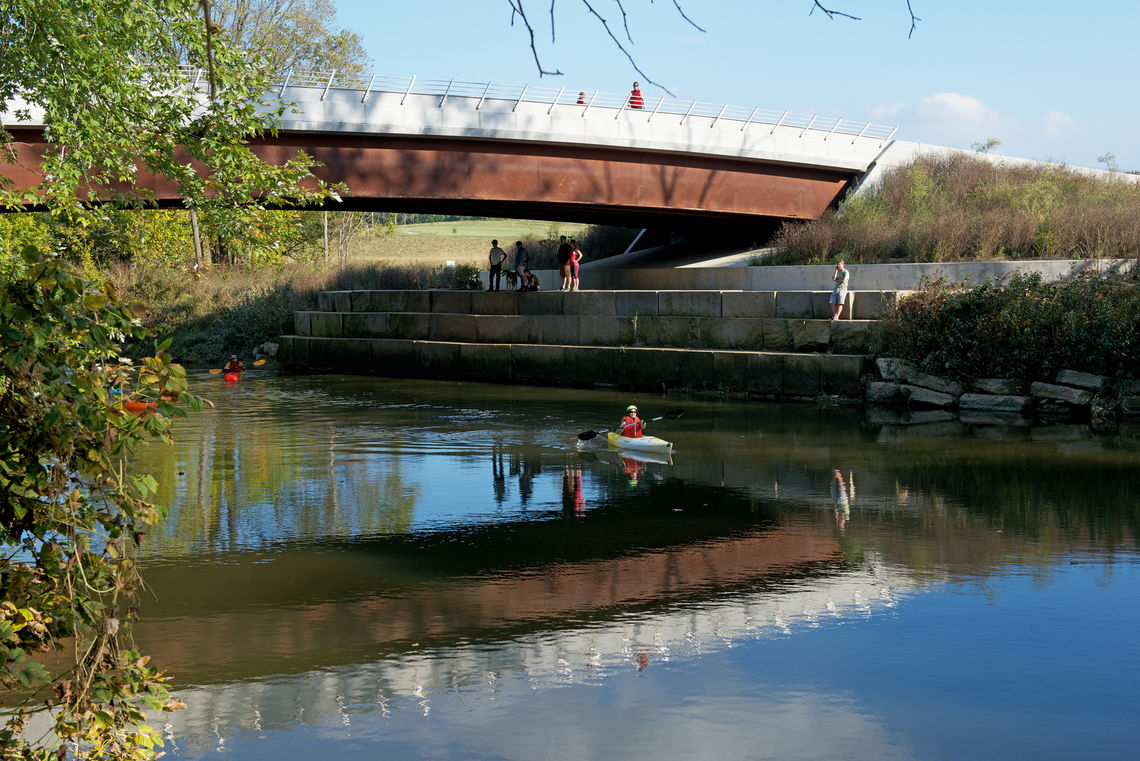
635 99
497 257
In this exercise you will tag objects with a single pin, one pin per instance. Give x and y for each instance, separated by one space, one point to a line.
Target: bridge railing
655 107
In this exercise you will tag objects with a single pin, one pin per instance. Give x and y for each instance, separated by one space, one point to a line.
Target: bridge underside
500 178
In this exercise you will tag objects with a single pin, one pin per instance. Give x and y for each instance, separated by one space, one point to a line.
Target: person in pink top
575 258
635 99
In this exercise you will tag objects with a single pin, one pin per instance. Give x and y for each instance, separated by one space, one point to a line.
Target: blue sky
1052 80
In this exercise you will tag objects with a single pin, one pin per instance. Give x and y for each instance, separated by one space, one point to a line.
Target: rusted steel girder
527 179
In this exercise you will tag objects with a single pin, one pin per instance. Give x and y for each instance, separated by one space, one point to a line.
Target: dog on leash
512 279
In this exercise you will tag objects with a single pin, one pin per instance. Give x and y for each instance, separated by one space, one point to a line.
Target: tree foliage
105 76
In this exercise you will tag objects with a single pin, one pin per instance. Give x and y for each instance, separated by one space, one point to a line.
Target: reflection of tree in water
498 475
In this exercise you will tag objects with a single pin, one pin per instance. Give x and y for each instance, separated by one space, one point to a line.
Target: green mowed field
463 242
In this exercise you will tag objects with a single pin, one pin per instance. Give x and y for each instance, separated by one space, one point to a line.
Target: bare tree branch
621 47
677 5
517 9
832 14
913 19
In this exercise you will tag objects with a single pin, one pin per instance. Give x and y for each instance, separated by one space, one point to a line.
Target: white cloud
958 109
1057 123
887 112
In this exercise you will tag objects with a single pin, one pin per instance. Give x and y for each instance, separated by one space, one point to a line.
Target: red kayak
232 377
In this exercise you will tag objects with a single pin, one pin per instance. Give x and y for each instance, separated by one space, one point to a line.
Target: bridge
486 149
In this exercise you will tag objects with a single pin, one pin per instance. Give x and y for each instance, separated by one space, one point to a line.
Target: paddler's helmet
631 408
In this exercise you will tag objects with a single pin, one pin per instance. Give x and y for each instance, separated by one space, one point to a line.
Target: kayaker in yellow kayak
631 425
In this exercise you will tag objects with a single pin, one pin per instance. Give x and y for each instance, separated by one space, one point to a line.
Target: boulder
934 383
1130 406
994 402
268 349
1081 380
1132 387
995 385
925 397
1066 394
1054 408
883 392
894 369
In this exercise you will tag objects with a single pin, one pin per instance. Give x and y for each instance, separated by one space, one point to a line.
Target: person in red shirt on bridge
635 99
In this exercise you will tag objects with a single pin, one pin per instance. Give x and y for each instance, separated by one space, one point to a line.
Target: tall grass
1022 328
962 207
231 311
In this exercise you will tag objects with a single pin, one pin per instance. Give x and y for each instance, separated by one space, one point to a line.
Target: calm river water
431 570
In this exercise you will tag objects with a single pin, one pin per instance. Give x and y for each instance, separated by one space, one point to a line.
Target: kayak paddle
253 364
670 415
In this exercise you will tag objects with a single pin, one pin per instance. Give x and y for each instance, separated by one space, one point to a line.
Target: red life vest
631 426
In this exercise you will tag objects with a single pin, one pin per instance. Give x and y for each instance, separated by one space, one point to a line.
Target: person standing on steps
575 259
841 277
522 258
497 257
564 262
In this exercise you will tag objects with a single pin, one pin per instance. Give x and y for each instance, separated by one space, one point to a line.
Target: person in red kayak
631 424
234 366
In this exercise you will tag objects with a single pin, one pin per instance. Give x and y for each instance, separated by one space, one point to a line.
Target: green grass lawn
464 241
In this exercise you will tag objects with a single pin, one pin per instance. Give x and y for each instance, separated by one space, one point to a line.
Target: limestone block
597 303
766 373
731 333
695 368
894 369
342 301
400 301
1074 396
748 304
797 304
451 327
842 374
491 362
821 306
541 364
934 383
540 302
649 368
918 396
665 331
360 301
883 392
327 325
287 355
352 353
409 325
811 335
300 358
591 365
1130 406
1081 380
366 325
320 354
605 330
303 323
1006 386
873 305
500 302
433 359
850 336
555 329
1055 409
325 301
995 402
802 375
635 303
689 303
1000 426
501 329
452 302
730 370
777 334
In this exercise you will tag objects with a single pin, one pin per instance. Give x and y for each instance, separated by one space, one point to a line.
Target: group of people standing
521 278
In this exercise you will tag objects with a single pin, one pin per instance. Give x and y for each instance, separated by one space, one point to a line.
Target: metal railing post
409 90
288 76
556 97
197 77
714 121
777 124
805 129
888 137
446 92
521 96
483 97
660 101
865 126
833 128
368 89
587 108
749 119
686 116
328 84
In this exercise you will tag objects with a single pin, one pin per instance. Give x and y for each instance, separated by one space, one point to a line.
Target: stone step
745 333
862 305
767 374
